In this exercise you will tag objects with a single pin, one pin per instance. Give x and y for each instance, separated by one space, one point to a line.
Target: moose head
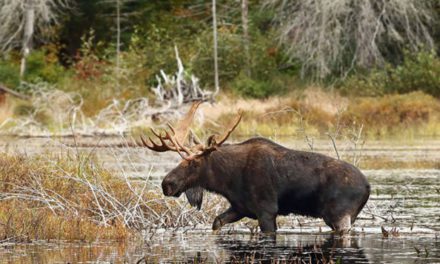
189 175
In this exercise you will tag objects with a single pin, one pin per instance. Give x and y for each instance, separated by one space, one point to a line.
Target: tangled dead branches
54 112
75 190
328 35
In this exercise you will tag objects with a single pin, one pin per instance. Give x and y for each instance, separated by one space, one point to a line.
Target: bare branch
44 13
329 35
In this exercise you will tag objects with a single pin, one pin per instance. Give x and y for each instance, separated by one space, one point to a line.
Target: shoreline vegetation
71 198
312 112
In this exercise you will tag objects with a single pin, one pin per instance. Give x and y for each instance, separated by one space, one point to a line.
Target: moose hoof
217 224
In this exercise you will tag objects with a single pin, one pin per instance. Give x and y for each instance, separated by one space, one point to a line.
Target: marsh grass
312 112
406 116
378 163
414 113
71 198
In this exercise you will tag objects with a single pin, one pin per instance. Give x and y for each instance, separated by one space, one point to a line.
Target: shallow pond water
204 247
405 199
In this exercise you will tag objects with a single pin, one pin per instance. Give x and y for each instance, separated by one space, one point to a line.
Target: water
405 199
204 247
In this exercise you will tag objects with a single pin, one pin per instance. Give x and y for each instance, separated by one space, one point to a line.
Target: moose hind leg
229 216
342 224
267 223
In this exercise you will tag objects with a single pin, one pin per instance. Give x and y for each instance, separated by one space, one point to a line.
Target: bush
418 72
42 65
151 47
9 73
372 84
249 87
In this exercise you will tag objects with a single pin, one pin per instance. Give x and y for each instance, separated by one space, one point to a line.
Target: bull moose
261 179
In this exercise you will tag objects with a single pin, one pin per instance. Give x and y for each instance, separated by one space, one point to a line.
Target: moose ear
195 196
211 142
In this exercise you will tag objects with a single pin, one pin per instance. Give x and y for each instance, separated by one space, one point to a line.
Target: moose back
262 179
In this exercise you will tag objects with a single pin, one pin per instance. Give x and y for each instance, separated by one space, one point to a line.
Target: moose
260 179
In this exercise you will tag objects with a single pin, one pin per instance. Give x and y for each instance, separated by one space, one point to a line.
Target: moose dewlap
262 179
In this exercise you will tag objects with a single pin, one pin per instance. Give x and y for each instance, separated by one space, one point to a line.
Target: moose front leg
229 216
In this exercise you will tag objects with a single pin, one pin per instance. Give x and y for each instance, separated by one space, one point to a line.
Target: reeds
398 116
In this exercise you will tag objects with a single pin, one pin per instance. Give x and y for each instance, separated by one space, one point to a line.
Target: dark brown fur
262 179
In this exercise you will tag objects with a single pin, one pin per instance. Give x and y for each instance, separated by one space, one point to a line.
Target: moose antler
175 140
228 132
183 125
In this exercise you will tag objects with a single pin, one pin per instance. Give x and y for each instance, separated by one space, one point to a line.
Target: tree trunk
118 42
214 26
245 24
29 22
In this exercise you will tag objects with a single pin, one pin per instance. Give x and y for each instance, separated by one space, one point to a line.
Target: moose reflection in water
323 249
262 179
291 248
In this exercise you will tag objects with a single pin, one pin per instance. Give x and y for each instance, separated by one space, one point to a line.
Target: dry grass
313 112
316 114
48 201
71 198
415 112
379 163
6 107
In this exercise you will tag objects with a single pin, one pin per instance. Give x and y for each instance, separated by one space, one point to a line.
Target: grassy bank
319 114
312 112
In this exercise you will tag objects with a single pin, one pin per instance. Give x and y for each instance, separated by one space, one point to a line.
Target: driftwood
179 88
4 89
124 145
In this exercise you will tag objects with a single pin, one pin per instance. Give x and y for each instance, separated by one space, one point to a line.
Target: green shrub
372 84
417 72
9 74
249 87
231 57
151 47
42 67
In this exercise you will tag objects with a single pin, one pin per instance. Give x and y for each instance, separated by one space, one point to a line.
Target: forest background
380 58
